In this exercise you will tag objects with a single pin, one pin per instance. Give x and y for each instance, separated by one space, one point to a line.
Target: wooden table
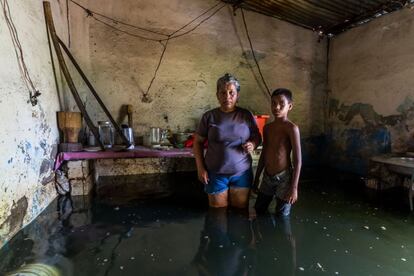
401 165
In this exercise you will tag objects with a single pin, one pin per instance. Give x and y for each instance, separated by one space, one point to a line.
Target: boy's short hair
228 78
284 92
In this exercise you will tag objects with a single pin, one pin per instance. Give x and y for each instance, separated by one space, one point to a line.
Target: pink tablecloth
138 152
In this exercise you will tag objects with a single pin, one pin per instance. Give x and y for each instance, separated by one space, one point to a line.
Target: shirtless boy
281 138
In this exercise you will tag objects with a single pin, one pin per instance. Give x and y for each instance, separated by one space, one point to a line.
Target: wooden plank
50 25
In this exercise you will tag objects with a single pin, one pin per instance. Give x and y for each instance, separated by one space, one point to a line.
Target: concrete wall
121 66
371 91
28 134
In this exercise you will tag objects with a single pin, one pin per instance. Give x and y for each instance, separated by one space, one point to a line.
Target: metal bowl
181 137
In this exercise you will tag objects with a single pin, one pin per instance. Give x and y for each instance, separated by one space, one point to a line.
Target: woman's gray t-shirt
226 132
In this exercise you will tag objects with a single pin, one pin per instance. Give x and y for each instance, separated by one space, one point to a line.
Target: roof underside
328 17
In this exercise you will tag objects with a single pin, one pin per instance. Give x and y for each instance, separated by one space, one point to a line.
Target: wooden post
65 71
93 91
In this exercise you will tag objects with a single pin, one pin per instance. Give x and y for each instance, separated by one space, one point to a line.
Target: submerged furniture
79 172
400 165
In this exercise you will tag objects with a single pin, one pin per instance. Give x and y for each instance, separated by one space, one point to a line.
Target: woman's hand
203 176
248 147
199 156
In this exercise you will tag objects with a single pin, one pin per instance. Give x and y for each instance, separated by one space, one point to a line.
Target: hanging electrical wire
123 31
253 54
99 17
33 92
145 94
68 21
145 97
115 21
201 22
165 37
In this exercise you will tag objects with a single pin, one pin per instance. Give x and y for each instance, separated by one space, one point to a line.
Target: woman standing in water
232 133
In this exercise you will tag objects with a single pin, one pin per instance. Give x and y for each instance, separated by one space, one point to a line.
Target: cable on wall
33 92
68 21
108 21
201 22
115 21
253 54
145 97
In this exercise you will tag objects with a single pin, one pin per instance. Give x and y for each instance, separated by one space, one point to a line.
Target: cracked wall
28 134
370 108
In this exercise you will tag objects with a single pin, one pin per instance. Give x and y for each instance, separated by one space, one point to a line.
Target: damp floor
336 228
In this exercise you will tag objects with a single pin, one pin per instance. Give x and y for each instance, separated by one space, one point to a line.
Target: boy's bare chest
277 135
278 141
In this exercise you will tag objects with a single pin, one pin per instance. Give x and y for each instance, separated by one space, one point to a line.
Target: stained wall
121 66
371 93
28 134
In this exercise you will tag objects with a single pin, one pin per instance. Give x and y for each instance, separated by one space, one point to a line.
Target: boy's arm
294 136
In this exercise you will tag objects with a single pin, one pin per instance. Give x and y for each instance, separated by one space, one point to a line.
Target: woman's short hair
227 78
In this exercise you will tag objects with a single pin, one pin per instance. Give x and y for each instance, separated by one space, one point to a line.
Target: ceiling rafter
328 17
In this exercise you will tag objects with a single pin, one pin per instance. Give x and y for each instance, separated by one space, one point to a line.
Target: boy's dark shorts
276 185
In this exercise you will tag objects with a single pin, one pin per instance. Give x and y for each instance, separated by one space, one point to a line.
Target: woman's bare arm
198 151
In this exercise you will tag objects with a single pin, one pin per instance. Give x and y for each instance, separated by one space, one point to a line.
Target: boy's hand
292 196
203 176
255 188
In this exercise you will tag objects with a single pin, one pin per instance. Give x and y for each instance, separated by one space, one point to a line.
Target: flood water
336 228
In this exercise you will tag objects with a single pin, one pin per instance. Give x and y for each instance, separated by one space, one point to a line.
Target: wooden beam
49 22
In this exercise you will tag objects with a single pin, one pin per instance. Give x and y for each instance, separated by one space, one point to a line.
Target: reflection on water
275 245
233 244
226 244
335 231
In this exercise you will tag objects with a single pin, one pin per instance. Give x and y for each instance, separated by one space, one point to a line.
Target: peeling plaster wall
28 134
121 66
371 98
